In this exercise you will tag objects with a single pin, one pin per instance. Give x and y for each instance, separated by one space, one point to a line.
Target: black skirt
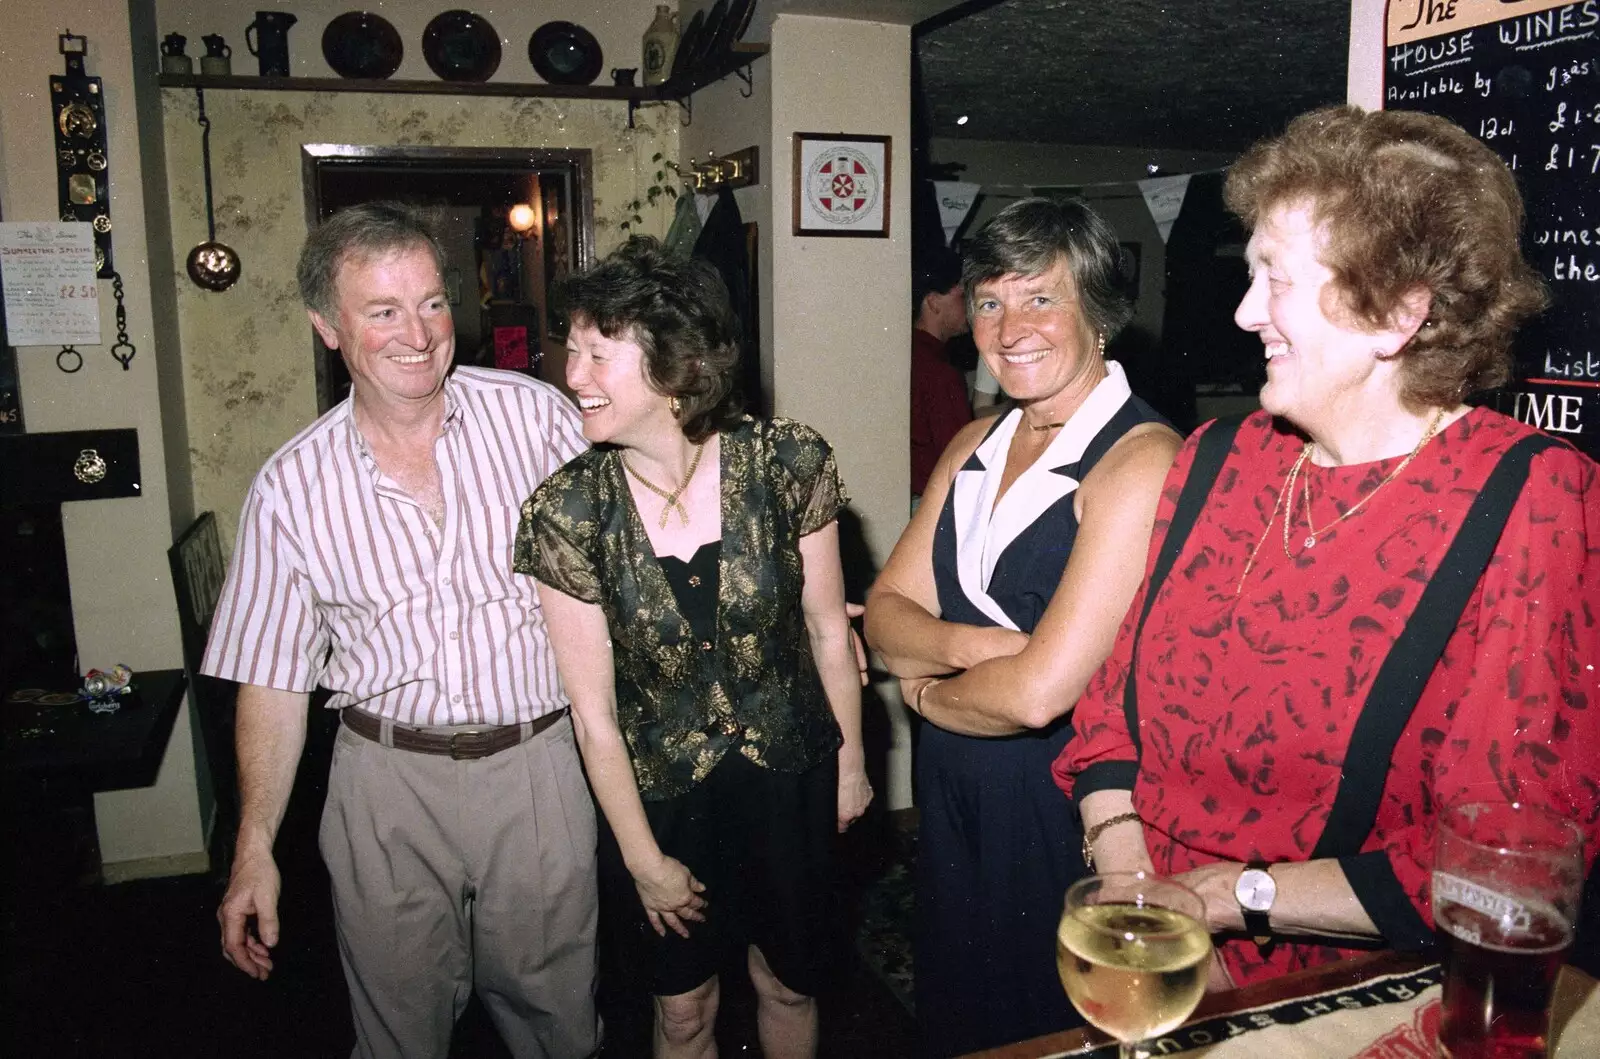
762 843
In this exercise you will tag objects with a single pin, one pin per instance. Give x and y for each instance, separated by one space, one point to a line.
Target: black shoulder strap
1411 661
1211 451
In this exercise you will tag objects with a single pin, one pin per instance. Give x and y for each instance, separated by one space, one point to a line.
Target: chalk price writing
1574 158
1490 128
1581 114
81 290
1565 75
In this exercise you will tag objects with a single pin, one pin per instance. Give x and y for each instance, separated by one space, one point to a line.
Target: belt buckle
462 745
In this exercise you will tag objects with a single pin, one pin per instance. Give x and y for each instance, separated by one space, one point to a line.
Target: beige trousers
450 876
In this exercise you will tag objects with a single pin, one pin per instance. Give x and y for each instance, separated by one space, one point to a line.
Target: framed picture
841 185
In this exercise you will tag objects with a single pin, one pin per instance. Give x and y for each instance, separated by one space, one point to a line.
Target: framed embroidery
841 185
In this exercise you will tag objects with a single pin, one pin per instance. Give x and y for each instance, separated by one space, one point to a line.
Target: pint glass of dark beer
1506 880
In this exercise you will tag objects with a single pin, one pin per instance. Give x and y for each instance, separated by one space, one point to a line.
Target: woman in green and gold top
688 570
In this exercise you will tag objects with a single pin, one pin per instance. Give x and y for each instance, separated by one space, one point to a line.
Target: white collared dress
998 844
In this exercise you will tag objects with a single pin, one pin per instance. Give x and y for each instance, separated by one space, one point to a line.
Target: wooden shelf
740 57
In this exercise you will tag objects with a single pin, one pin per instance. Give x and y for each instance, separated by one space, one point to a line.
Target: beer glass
1506 880
1132 952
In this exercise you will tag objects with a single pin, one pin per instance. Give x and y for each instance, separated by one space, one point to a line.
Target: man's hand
853 611
855 794
253 889
670 894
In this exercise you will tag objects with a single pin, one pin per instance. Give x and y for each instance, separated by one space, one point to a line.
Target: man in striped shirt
374 559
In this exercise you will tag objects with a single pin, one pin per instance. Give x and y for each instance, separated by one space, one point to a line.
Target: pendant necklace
1312 533
673 503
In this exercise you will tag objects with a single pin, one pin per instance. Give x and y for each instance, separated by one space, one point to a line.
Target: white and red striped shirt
340 578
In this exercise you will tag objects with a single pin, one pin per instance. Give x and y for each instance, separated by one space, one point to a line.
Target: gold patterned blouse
681 703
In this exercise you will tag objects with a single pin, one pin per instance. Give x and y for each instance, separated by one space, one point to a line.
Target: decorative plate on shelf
361 44
564 53
687 44
715 41
461 46
743 11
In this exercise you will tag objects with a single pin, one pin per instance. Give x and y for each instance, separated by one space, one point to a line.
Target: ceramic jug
270 43
660 45
217 61
173 61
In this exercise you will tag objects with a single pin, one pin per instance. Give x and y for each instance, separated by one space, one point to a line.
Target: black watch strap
1257 924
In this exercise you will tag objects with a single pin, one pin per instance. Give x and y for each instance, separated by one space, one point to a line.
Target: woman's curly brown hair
677 310
1406 201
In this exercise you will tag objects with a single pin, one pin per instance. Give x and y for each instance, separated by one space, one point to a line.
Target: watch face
1256 890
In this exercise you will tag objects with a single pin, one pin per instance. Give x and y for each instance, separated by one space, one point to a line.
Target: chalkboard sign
1524 77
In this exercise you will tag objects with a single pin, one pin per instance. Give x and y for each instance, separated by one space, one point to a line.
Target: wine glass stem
1136 1050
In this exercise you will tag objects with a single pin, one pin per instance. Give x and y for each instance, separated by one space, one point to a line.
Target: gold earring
675 405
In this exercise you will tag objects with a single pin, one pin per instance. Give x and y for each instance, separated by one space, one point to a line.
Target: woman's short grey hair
1028 237
363 231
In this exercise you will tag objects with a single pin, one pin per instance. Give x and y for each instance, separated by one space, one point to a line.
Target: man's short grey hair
1028 237
363 231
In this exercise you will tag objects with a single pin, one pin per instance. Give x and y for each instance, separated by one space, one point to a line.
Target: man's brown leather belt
465 745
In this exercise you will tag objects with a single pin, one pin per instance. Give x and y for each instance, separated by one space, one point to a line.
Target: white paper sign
1164 196
52 296
955 202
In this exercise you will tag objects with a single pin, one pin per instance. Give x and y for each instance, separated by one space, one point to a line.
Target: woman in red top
1318 660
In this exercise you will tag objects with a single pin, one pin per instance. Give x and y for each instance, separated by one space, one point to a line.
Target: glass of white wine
1133 950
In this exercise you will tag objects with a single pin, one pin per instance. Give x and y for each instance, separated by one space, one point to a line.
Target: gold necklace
672 501
1048 426
1277 506
1312 533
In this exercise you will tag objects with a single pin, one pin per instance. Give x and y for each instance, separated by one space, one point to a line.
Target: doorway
514 224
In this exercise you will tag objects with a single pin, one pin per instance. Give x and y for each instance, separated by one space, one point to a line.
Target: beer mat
1391 1017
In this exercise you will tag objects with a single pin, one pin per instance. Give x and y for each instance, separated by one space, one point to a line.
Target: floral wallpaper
248 359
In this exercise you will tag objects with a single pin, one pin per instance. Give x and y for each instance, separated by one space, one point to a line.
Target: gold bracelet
1097 830
918 707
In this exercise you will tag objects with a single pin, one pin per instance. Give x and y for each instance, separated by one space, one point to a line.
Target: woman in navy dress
1000 601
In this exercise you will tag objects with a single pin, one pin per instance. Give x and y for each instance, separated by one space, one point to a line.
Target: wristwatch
1255 891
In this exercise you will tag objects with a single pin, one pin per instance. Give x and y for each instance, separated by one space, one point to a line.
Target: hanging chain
205 161
122 325
70 355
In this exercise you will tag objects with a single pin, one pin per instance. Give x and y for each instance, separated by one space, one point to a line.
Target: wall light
521 218
962 120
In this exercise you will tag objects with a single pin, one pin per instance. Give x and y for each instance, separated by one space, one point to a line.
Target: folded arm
1031 688
903 623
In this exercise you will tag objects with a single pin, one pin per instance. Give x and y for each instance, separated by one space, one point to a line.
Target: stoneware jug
218 59
173 61
268 40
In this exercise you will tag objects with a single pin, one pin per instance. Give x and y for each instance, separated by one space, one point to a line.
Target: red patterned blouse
1248 693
